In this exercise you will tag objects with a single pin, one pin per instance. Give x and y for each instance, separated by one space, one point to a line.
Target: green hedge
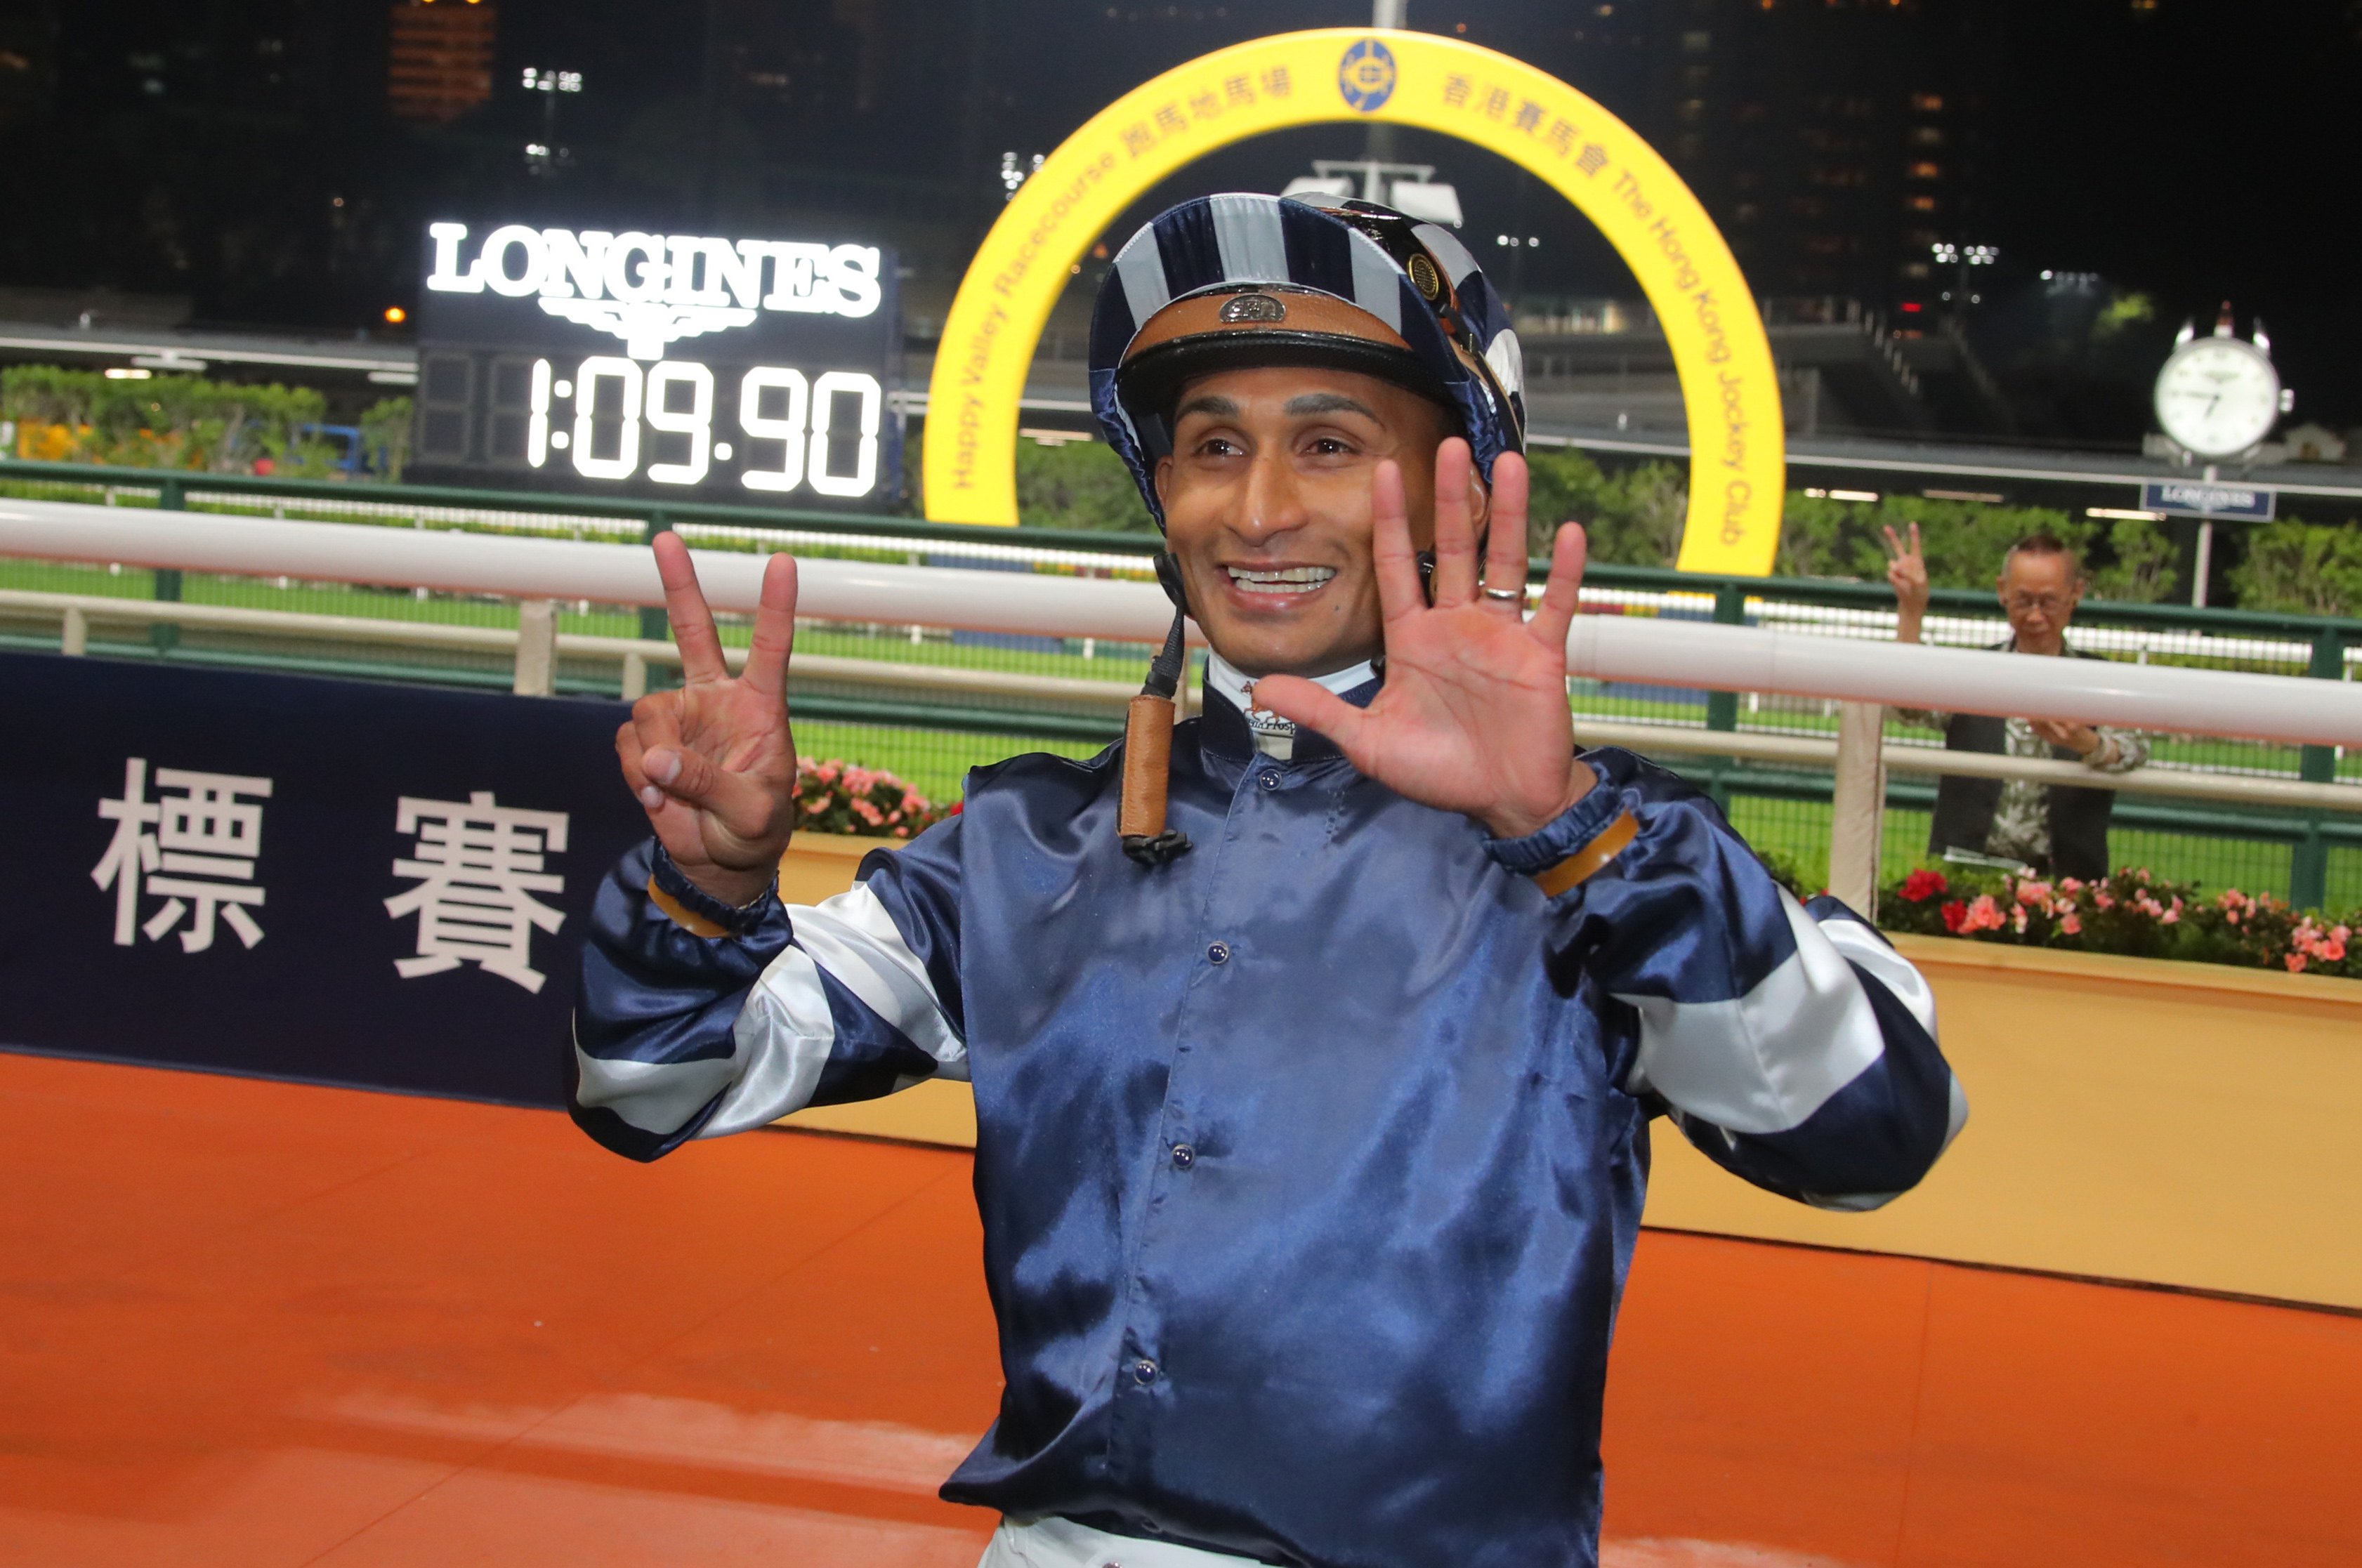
1636 515
164 422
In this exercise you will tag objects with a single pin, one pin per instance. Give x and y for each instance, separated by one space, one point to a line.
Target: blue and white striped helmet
1223 282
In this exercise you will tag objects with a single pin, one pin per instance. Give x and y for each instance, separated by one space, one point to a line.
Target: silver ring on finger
1506 595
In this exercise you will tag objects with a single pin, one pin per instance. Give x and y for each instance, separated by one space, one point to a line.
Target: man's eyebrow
1214 407
1329 402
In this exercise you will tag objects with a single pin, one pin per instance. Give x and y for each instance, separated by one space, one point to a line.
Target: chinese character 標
201 855
479 866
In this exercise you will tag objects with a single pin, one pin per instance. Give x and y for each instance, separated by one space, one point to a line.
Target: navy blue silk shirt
1311 1163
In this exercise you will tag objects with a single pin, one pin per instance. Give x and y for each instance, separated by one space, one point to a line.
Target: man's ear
1161 476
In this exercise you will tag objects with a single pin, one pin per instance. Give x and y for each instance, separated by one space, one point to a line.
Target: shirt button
1220 953
1184 1157
1269 780
1144 1370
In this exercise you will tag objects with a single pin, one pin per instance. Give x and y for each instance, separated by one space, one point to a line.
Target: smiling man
1315 1043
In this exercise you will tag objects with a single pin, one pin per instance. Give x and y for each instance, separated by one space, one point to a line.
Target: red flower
1956 914
1921 885
957 807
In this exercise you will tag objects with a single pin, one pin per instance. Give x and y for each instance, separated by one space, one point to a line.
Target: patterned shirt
2021 824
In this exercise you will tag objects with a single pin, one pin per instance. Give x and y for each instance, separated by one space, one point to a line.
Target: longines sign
658 364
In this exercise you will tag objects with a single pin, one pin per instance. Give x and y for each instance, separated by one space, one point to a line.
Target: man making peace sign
1312 1119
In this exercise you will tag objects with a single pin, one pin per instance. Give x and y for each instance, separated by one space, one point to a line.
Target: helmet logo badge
1252 308
1425 278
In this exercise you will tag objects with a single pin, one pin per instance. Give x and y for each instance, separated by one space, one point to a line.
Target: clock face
2218 397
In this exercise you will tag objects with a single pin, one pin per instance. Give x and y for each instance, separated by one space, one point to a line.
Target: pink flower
2017 918
2070 884
2172 915
2072 925
1983 915
2103 900
2296 963
2032 892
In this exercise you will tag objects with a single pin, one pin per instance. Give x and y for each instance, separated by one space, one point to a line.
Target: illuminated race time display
659 365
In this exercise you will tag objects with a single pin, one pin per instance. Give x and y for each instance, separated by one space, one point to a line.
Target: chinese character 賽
478 867
1560 137
1593 158
201 853
1204 106
1275 81
1530 115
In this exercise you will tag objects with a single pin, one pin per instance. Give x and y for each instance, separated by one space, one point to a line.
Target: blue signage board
328 881
2207 498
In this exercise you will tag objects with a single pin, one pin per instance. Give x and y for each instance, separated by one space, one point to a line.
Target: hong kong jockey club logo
652 289
1366 77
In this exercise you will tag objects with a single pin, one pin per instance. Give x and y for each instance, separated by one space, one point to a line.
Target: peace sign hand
1473 715
715 762
1906 570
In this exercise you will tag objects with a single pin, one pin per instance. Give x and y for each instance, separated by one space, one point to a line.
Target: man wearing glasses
2055 830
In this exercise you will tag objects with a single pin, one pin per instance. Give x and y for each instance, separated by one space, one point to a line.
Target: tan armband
1578 869
689 920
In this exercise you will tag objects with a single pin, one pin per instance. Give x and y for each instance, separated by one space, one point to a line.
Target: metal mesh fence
931 735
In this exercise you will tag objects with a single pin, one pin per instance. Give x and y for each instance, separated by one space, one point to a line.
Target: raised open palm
715 762
1472 717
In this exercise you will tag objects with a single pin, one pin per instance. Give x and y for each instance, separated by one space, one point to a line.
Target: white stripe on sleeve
854 939
786 1032
1764 1062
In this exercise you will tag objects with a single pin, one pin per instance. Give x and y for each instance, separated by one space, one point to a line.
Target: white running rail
1627 648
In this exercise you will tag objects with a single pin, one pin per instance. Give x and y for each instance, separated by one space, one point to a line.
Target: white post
536 654
2203 567
76 638
636 677
1859 815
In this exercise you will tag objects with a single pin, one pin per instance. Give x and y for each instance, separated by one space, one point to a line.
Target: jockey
1315 1041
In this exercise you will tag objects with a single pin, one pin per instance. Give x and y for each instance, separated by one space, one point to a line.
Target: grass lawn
935 761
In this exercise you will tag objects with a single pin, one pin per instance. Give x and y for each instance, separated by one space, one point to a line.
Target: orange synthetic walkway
260 1324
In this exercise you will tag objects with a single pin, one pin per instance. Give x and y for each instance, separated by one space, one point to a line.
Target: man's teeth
1286 580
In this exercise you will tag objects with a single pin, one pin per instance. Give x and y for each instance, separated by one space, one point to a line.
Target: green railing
2311 859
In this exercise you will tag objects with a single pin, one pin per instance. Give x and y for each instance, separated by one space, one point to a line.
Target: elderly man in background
2053 829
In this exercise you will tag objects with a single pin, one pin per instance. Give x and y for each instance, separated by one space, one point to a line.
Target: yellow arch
1729 386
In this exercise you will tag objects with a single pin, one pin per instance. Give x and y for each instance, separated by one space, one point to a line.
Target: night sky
240 151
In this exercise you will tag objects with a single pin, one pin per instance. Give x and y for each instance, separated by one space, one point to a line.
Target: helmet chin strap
1148 737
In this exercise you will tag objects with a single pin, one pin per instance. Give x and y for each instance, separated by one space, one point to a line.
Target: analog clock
2218 397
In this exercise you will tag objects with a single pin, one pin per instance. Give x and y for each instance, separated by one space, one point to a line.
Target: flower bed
866 802
2130 912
